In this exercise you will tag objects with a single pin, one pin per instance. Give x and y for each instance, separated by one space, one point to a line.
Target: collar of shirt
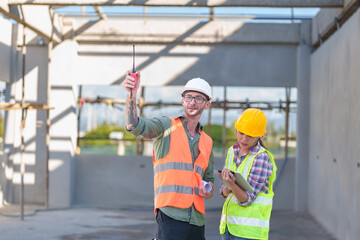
184 123
238 159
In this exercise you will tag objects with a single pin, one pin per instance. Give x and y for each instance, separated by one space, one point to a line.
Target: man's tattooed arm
131 112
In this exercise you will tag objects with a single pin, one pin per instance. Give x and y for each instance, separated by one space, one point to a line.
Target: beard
193 111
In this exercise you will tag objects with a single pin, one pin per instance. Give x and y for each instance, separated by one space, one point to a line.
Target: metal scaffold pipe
23 118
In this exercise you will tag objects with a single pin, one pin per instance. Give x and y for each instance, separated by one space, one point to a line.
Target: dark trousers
168 228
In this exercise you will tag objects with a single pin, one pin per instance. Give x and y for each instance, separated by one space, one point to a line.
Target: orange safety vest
176 177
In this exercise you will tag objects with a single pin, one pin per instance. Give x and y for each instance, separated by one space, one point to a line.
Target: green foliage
100 135
2 127
99 139
271 139
2 132
216 134
273 136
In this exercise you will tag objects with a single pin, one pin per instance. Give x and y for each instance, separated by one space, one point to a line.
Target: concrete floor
109 224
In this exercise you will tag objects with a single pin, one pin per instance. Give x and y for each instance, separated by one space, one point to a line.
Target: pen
230 171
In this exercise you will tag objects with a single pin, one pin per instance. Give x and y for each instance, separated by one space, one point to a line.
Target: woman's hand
227 176
229 179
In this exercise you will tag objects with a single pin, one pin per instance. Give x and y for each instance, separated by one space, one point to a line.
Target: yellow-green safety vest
251 221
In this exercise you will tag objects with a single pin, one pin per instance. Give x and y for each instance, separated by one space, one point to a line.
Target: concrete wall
127 181
5 49
285 185
5 71
325 18
250 64
322 20
223 53
334 166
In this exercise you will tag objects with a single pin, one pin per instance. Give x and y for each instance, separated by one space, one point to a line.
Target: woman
245 214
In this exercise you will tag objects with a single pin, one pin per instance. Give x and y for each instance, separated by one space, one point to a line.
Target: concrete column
6 59
34 156
5 49
63 128
302 130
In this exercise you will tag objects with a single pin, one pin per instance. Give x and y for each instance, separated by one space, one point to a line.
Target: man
182 159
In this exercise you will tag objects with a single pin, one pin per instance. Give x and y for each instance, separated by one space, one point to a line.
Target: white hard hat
198 85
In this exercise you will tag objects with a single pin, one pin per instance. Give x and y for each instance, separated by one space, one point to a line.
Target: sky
262 12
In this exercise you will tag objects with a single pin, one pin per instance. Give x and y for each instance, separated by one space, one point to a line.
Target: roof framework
187 3
37 15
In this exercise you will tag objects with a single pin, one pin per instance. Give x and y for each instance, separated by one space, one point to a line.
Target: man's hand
203 193
130 85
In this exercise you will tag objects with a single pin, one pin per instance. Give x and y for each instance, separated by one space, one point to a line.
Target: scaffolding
282 105
24 107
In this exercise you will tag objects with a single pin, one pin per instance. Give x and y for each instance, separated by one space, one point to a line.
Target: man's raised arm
131 87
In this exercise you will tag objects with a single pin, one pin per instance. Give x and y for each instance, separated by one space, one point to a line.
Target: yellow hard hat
252 122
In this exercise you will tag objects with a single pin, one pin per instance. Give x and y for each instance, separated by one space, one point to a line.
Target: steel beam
189 32
32 22
100 12
187 3
4 7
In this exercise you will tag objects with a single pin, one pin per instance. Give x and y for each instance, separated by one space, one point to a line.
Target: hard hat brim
195 90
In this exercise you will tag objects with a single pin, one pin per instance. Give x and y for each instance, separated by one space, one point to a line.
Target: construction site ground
131 224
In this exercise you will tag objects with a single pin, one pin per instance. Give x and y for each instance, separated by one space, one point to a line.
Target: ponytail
261 141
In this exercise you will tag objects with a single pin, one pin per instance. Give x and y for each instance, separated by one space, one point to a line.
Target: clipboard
240 180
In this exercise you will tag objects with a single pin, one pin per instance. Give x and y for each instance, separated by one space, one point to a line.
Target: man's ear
182 101
207 105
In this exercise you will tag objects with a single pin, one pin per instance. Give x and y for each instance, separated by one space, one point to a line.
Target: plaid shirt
259 174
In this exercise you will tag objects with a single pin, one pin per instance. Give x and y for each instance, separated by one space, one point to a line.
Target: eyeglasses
198 100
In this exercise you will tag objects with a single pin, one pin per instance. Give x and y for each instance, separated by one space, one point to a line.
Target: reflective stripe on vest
178 166
176 188
251 221
230 161
245 221
259 199
176 177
